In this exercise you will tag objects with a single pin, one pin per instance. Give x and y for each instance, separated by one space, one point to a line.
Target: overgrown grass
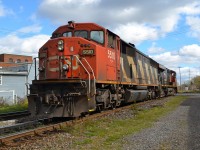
189 91
106 133
21 106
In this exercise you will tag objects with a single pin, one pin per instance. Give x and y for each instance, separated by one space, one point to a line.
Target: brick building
14 72
8 60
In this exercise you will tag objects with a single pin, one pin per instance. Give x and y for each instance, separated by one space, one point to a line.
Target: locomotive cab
69 52
76 67
67 71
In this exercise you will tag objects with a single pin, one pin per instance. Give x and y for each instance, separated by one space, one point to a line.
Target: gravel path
180 130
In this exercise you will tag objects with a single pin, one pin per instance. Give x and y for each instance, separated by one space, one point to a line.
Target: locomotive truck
85 67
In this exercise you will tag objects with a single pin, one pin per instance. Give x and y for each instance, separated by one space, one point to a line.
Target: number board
88 52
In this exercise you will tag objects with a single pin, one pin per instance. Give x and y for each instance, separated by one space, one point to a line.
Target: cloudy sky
166 30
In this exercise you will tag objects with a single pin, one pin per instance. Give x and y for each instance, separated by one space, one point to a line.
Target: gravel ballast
178 130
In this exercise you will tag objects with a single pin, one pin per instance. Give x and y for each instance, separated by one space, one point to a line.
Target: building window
18 61
26 60
0 80
10 60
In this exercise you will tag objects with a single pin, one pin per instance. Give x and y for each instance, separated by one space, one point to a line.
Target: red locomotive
85 67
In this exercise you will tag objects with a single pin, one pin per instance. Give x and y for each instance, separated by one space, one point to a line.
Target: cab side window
111 40
97 36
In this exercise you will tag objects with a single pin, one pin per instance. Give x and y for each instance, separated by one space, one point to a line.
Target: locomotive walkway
179 130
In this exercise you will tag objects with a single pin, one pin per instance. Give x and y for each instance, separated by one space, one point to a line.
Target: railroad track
14 115
12 138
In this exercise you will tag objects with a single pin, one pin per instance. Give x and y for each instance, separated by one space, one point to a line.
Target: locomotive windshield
97 36
81 33
67 34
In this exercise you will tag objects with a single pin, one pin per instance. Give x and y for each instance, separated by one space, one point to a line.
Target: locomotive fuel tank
135 95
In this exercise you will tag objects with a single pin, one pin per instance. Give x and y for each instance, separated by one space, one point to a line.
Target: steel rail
14 115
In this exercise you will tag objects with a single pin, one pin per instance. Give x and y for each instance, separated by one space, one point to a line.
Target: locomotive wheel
113 105
99 108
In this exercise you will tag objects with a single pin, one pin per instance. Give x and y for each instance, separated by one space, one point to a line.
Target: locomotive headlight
60 45
65 67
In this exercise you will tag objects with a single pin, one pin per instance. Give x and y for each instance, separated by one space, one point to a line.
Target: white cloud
127 12
27 46
190 9
30 29
77 2
190 51
194 23
133 32
169 23
187 56
167 59
154 49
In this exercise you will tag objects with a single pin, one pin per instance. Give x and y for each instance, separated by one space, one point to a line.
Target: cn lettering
111 55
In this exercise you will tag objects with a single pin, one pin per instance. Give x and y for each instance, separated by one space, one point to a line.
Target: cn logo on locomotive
111 55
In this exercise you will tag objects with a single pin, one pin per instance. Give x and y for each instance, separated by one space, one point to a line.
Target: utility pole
189 86
180 77
189 74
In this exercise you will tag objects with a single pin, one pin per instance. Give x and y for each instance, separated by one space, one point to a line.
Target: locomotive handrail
36 68
35 61
85 70
92 74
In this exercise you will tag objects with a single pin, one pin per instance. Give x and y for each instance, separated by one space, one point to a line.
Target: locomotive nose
58 59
